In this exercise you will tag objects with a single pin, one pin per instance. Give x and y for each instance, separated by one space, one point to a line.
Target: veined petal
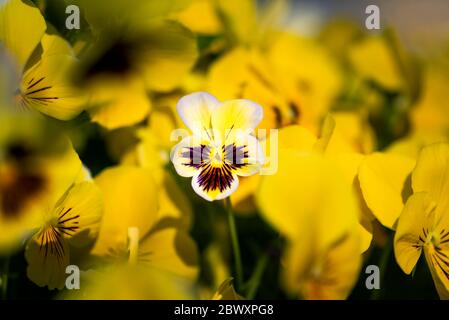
189 155
245 155
46 88
438 262
196 111
414 225
47 254
215 183
21 28
79 212
236 117
432 174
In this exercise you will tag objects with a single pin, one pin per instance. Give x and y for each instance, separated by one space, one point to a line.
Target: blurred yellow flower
131 282
133 229
34 174
423 224
131 57
332 276
221 147
374 59
45 62
316 218
73 221
290 92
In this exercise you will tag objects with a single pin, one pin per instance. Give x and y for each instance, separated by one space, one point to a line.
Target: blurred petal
118 104
170 249
21 28
47 254
130 200
432 174
383 180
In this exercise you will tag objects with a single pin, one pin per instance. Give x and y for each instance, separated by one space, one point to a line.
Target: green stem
383 265
235 245
254 282
5 278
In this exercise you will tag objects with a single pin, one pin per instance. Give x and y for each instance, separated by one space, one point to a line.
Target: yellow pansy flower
33 173
423 225
73 221
291 93
149 53
317 220
45 62
221 147
133 230
331 277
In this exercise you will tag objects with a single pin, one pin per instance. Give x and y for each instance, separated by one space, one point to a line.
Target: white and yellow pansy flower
221 147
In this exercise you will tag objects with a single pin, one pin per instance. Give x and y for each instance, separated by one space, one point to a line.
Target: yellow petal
439 268
79 213
297 138
416 216
241 18
21 28
117 104
167 56
236 117
321 199
432 174
172 250
46 87
130 200
196 111
311 87
47 254
174 203
201 17
383 180
373 59
244 73
132 282
333 276
53 44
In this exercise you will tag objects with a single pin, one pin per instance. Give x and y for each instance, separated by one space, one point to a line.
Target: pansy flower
423 225
72 222
221 147
44 62
33 173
